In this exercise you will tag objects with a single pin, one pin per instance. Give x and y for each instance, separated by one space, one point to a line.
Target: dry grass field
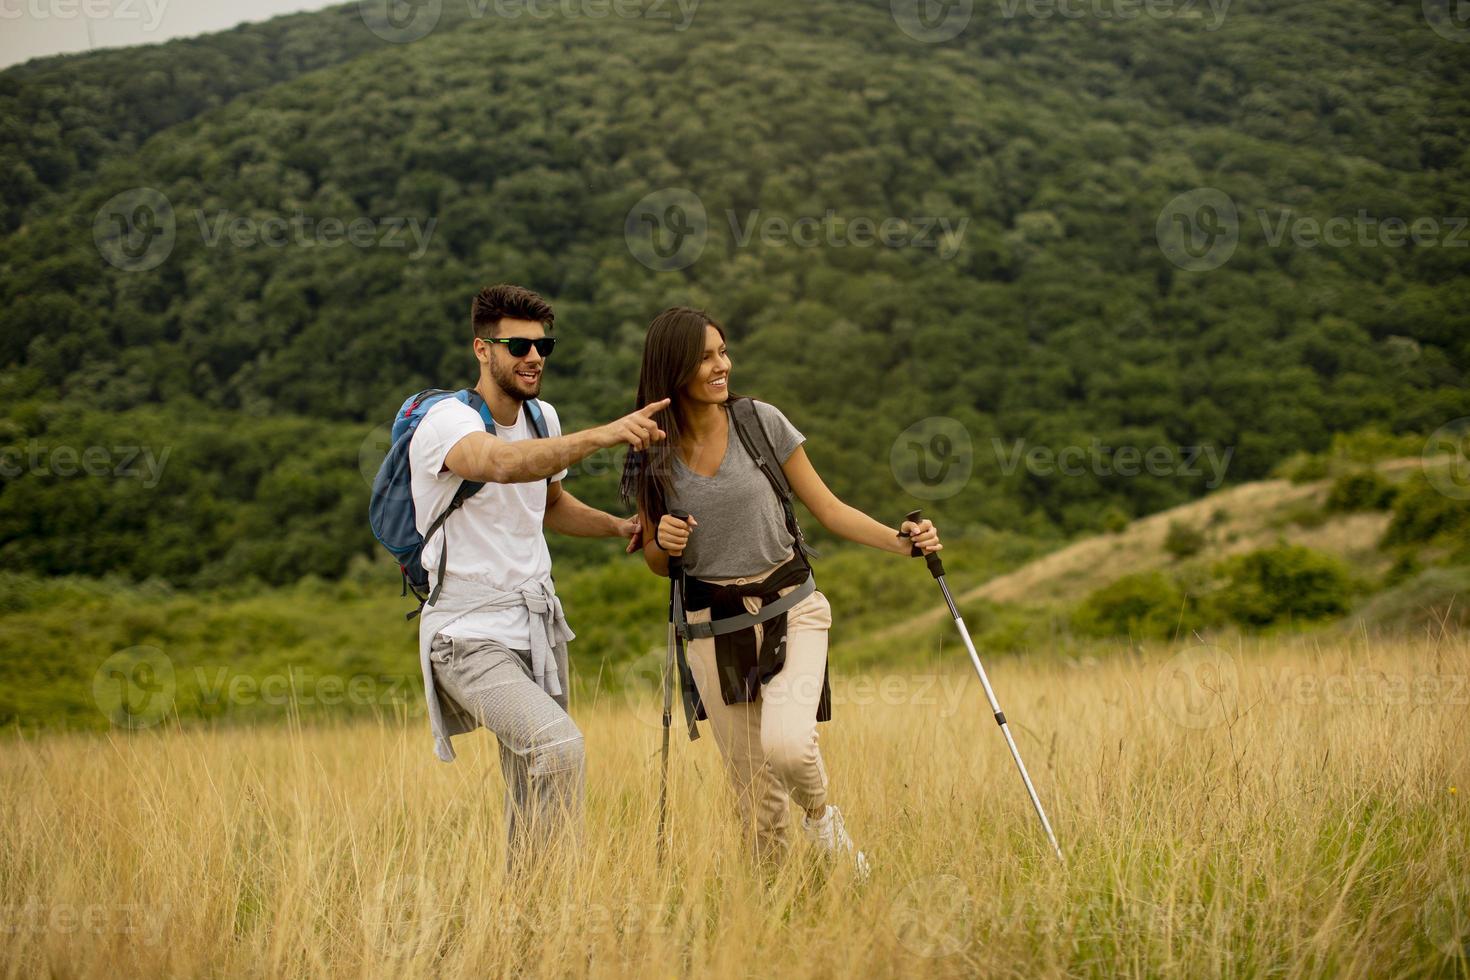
1285 808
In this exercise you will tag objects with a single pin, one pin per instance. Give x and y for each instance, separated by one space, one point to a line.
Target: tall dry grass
1278 808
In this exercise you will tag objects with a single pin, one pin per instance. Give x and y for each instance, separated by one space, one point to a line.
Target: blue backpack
391 510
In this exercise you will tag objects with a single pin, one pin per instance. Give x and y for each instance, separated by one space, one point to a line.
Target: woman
764 686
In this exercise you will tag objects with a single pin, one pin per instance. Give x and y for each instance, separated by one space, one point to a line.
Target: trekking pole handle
936 566
676 562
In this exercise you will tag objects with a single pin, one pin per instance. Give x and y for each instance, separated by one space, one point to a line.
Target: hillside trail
1235 520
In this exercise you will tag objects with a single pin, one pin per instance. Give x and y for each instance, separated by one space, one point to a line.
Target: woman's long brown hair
672 352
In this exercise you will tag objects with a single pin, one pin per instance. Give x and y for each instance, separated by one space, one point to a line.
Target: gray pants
541 753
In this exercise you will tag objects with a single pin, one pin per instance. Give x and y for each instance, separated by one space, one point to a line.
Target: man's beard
511 385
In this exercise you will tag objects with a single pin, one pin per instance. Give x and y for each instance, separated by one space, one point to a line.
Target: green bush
1349 450
1405 566
1360 490
1301 468
1287 582
1422 515
1115 520
1183 540
1429 601
1145 605
1303 513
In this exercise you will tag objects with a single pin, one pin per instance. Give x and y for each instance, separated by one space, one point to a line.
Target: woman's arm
849 522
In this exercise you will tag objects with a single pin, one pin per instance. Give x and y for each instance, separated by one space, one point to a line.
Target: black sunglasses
521 346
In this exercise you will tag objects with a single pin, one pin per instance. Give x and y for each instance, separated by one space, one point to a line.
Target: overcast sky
32 28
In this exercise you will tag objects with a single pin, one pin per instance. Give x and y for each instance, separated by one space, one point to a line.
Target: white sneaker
830 834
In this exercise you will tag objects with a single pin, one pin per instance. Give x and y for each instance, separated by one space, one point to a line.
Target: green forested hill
63 117
1051 316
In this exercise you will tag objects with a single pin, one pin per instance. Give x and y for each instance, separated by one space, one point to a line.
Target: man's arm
567 515
483 458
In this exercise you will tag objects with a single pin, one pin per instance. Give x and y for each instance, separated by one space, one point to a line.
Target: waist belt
743 665
731 624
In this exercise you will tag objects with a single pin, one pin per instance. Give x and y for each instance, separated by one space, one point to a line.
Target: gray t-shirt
742 528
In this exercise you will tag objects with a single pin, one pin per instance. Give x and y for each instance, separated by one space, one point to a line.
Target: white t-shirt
496 535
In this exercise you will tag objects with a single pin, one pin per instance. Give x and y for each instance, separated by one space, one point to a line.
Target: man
493 643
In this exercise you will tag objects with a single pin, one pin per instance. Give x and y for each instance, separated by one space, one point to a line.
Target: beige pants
770 744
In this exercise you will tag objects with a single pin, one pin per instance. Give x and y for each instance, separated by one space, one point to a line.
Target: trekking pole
936 568
676 615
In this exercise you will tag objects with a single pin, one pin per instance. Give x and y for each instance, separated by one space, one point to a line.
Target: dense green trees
1025 164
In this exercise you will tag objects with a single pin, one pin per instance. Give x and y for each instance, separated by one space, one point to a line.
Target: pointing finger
649 410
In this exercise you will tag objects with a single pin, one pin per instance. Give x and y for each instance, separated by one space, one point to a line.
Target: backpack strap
757 443
465 491
536 417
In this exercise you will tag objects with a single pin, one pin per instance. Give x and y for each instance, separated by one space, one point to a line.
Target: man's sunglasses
521 346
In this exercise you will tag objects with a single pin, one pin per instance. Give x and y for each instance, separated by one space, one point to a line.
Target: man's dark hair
502 301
